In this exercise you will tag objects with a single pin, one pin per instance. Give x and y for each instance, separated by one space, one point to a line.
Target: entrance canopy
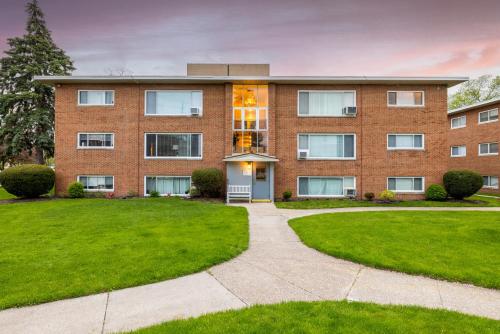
250 157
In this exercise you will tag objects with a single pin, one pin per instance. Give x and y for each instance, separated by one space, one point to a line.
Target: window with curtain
97 182
488 149
405 141
328 146
168 185
459 151
405 98
490 182
96 97
95 140
173 102
325 103
173 145
458 122
488 116
325 186
405 184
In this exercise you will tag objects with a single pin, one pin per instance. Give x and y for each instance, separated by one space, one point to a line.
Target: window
490 182
325 103
405 184
325 186
405 99
405 141
173 102
459 122
327 146
97 183
173 145
168 185
96 97
95 140
488 149
458 151
488 116
250 118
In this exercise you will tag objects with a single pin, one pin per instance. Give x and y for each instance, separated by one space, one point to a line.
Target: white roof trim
250 157
475 105
449 81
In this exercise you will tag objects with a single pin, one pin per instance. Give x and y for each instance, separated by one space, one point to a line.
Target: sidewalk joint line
229 290
354 282
105 312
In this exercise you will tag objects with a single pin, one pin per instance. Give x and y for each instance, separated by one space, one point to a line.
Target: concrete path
276 268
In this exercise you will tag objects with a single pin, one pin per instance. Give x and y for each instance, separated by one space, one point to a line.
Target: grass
490 194
66 248
330 318
348 203
452 245
5 195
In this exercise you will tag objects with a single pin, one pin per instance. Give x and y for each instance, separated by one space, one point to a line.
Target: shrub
369 196
28 181
387 195
462 183
75 190
154 193
436 192
209 181
287 194
194 192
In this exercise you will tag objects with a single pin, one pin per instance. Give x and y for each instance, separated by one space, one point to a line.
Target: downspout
361 141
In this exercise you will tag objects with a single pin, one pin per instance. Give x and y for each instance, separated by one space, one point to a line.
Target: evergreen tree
27 106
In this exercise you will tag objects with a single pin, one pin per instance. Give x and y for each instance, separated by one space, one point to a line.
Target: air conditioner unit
303 154
195 111
350 192
349 111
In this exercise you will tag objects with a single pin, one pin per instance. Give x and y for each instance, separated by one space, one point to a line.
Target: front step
261 201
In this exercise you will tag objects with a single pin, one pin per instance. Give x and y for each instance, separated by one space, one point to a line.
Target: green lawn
5 195
456 246
330 318
490 194
348 203
65 248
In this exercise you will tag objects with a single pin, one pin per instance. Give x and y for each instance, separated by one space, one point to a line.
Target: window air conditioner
350 192
349 111
195 111
303 154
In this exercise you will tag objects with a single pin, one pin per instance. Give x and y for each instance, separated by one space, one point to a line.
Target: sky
313 37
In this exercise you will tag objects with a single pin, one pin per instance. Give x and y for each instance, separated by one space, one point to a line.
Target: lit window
405 98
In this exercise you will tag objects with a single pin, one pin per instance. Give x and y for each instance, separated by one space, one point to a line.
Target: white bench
239 192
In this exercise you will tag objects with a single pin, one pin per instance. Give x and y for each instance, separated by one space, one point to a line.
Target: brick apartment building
315 136
474 135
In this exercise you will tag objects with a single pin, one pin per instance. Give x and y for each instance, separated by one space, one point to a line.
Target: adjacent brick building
474 135
315 136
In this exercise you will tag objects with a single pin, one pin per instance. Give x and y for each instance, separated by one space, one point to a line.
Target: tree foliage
27 106
484 88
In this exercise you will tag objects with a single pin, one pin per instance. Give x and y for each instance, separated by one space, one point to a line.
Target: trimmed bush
287 194
75 190
462 183
154 194
436 192
29 181
369 196
387 195
208 181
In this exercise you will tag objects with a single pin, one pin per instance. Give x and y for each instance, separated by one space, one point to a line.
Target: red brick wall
471 136
371 168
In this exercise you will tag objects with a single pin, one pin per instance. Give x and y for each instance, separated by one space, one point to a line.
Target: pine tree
27 106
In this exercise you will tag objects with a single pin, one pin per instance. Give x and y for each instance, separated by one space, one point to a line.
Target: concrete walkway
276 268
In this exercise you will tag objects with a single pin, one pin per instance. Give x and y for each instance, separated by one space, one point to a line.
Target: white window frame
406 148
97 190
172 90
95 147
407 191
458 127
485 154
326 177
489 177
324 91
167 176
173 133
458 156
488 121
257 118
406 105
325 134
96 90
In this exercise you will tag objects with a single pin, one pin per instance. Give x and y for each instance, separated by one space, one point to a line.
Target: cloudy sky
314 37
